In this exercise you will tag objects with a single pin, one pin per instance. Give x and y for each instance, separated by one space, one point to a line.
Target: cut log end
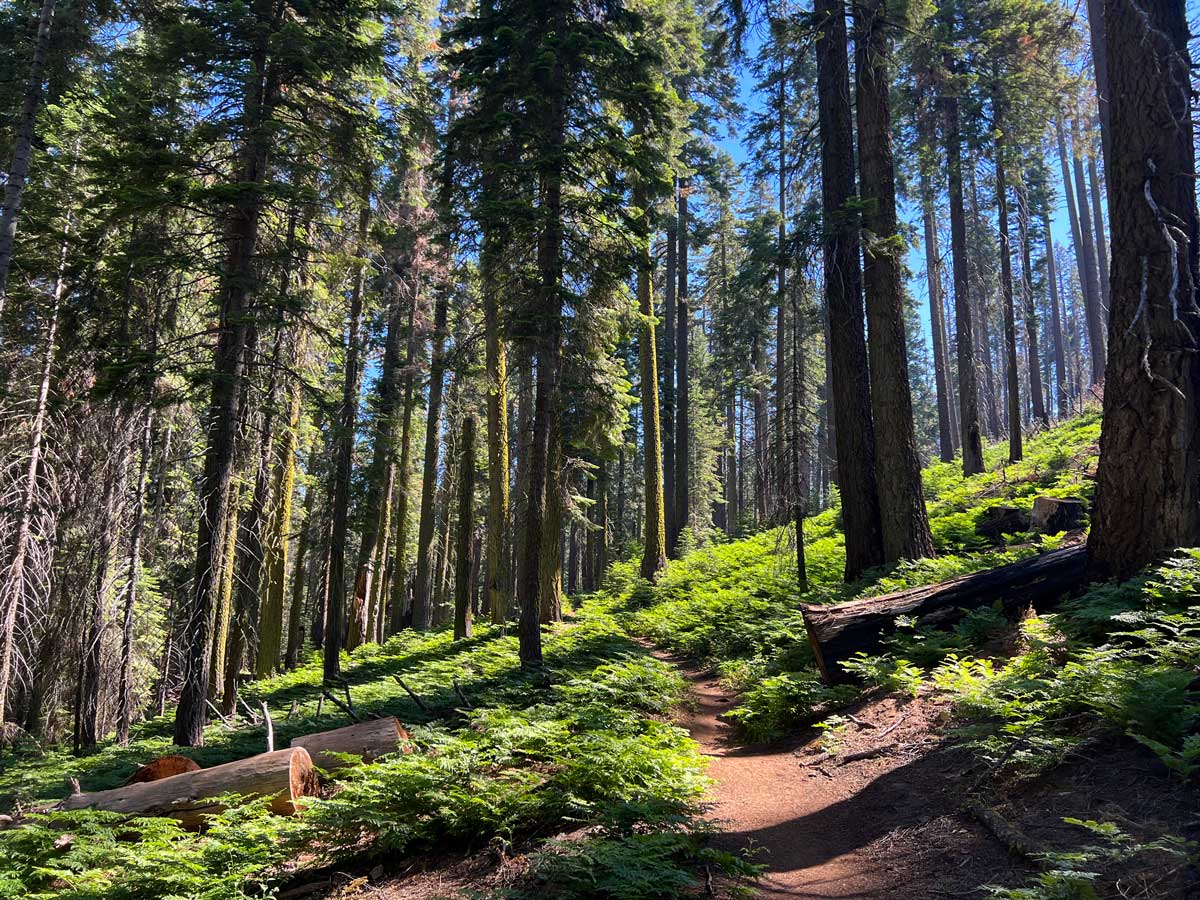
163 767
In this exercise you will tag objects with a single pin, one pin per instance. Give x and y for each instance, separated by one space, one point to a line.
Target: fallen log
839 631
163 767
369 740
284 775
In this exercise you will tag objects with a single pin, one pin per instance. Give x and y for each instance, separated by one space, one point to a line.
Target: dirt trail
884 827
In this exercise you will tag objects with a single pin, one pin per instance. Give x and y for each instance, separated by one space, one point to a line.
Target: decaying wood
284 775
163 767
1012 838
369 740
837 632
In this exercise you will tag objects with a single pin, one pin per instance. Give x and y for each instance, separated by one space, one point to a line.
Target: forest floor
882 816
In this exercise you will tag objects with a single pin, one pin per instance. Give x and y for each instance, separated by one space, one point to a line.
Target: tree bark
1060 357
132 575
933 282
1011 364
1148 483
968 389
366 740
295 636
843 291
682 516
466 526
1098 224
423 591
904 523
13 586
235 292
654 552
275 547
836 632
1037 393
285 776
1085 259
335 606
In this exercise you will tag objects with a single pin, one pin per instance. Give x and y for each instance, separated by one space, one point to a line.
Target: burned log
368 740
284 775
839 631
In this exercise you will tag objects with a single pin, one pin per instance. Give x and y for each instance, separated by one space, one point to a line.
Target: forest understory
1039 756
599 449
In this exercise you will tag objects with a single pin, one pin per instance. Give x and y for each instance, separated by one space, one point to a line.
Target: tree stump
284 775
996 521
1052 515
368 740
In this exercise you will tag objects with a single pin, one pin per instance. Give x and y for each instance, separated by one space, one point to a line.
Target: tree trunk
1062 397
1011 365
903 520
133 574
1037 393
423 592
836 632
1098 224
1148 483
977 235
366 740
681 514
285 776
18 169
295 636
236 291
933 281
1099 42
1096 311
404 466
335 606
466 525
762 450
654 553
968 389
667 371
550 577
848 351
250 565
275 566
14 585
600 566
1085 258
497 576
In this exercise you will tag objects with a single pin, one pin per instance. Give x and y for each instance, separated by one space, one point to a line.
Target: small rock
1052 515
997 521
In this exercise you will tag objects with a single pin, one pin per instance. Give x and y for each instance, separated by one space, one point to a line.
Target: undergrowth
585 741
734 605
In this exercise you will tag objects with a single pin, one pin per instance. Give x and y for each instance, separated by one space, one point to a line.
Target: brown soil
891 825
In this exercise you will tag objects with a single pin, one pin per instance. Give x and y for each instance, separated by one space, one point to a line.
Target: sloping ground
883 817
